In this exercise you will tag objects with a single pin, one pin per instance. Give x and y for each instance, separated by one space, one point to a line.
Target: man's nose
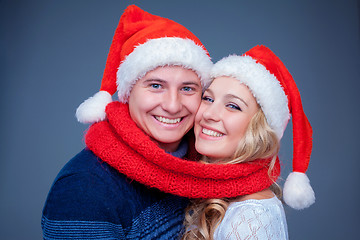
172 102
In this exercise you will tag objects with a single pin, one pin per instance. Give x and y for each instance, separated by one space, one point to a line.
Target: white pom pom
297 192
93 109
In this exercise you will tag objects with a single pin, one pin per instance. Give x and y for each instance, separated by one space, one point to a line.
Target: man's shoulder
83 162
87 188
91 169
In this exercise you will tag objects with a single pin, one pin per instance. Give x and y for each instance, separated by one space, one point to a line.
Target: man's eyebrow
191 83
229 95
154 80
164 81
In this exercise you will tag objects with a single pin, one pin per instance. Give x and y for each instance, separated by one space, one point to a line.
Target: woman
241 120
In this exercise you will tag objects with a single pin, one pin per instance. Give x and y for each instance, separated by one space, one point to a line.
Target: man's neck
178 149
169 147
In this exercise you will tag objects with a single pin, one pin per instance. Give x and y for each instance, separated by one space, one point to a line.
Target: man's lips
168 120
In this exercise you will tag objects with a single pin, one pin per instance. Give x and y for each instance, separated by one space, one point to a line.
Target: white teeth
211 133
168 120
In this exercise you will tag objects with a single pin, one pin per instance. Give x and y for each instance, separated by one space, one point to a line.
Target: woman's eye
207 99
234 106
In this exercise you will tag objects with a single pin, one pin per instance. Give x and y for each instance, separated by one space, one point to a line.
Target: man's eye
155 86
187 89
207 99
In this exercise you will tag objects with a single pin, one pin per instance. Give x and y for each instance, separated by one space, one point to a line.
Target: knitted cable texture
120 143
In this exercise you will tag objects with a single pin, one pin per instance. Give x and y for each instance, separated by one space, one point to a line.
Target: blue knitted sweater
91 200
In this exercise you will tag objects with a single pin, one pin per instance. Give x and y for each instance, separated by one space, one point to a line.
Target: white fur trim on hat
263 85
297 191
161 52
93 109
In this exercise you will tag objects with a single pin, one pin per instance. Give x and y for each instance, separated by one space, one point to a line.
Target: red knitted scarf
120 143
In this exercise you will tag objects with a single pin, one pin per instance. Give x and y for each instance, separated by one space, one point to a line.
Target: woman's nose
212 112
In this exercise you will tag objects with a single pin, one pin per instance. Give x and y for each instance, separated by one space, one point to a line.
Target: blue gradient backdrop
52 58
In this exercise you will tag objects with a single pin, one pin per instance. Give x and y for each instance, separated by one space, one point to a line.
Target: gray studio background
52 58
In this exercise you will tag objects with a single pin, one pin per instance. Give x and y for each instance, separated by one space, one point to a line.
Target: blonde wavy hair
203 216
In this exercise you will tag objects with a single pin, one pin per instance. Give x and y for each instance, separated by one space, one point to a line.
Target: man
158 68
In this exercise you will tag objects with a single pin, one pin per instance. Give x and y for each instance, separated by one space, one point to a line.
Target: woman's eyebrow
208 90
229 95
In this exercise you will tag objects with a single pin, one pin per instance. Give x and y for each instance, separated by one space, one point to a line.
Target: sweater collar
181 151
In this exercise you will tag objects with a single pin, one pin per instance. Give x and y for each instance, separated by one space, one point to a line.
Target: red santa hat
141 43
277 94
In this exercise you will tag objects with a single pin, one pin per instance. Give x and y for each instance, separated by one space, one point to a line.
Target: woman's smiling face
225 112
